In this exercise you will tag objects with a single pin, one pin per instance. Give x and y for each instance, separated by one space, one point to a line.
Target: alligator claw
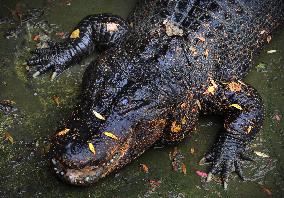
225 160
55 58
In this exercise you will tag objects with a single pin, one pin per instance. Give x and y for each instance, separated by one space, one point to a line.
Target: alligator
169 62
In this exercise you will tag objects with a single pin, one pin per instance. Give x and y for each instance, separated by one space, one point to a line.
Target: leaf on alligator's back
75 34
235 87
206 53
172 29
201 38
111 135
112 27
210 90
175 128
63 132
98 115
8 136
237 106
92 148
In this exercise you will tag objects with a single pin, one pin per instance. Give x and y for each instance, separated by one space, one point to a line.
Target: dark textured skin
150 85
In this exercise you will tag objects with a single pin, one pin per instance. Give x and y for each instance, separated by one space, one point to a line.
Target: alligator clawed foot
53 58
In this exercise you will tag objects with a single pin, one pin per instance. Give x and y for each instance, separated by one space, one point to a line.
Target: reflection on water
43 104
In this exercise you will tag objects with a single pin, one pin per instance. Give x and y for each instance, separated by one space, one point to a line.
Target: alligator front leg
181 121
243 110
95 31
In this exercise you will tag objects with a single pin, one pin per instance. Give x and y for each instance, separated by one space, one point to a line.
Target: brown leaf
202 39
266 190
63 132
144 168
56 100
268 39
8 136
36 37
206 53
175 128
192 151
154 183
183 168
60 34
235 87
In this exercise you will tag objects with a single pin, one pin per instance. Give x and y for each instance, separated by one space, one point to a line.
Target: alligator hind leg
243 110
95 31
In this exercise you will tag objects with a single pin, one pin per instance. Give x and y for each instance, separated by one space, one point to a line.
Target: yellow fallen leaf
176 128
192 151
75 34
249 129
92 148
98 115
260 154
236 106
235 87
210 90
8 136
183 120
63 132
111 135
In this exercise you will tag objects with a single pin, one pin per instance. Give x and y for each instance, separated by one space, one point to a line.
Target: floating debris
8 136
56 100
260 154
144 168
201 173
183 168
261 67
175 128
271 51
266 190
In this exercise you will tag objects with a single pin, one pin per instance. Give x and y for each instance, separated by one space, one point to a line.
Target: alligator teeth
36 74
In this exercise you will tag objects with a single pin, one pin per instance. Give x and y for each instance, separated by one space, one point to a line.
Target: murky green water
25 172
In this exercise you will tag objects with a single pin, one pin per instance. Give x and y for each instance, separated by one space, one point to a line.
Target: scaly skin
178 58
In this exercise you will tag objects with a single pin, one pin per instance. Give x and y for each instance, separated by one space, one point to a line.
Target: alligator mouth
90 174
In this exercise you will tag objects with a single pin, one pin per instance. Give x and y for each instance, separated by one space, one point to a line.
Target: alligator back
220 35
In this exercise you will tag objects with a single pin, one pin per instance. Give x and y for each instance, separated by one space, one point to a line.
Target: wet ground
41 104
